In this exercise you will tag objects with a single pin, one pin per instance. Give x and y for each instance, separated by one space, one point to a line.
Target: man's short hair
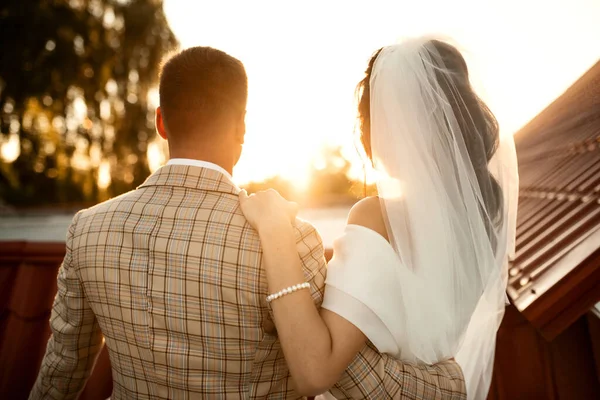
201 86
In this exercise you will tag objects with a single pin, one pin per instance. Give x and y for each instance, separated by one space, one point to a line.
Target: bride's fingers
243 196
256 205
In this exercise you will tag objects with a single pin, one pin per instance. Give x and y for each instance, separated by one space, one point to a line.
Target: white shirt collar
201 164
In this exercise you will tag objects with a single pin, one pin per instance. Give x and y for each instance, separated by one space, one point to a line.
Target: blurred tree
330 184
329 176
76 79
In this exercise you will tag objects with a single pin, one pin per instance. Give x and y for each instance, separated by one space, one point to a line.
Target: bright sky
304 59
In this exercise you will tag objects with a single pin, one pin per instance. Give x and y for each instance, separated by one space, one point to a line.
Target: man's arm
76 338
373 375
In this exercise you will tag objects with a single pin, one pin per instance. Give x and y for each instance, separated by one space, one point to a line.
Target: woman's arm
318 346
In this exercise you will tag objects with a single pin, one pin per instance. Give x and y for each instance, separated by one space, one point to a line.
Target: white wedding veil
448 188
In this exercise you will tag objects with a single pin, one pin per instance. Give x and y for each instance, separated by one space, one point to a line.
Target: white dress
363 287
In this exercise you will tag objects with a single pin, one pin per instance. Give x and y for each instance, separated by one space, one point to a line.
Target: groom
170 273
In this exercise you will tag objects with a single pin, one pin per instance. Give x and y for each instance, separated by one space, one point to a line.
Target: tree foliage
329 183
76 79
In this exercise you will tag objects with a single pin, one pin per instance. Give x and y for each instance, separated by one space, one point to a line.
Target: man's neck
203 157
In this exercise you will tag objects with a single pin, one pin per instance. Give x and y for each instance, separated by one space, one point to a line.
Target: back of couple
203 292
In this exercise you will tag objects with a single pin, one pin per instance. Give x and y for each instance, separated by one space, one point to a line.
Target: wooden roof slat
540 262
543 243
523 252
543 220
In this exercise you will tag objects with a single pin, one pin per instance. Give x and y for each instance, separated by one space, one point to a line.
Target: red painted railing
27 289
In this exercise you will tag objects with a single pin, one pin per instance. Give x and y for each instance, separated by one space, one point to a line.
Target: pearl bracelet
287 290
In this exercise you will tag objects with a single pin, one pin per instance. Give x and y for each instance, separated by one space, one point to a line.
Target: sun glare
304 59
156 154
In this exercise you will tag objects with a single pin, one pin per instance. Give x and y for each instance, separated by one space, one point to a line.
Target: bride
421 269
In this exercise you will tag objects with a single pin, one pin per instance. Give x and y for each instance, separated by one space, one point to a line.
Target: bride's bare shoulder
367 213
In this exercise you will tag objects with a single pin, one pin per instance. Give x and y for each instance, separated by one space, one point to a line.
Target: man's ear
160 124
240 129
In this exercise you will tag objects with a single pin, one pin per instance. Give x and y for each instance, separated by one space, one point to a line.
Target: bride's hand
267 210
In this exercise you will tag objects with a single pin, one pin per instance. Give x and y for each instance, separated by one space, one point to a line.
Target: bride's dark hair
478 125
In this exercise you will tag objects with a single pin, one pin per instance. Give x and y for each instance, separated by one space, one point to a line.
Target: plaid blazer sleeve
372 375
76 338
312 257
